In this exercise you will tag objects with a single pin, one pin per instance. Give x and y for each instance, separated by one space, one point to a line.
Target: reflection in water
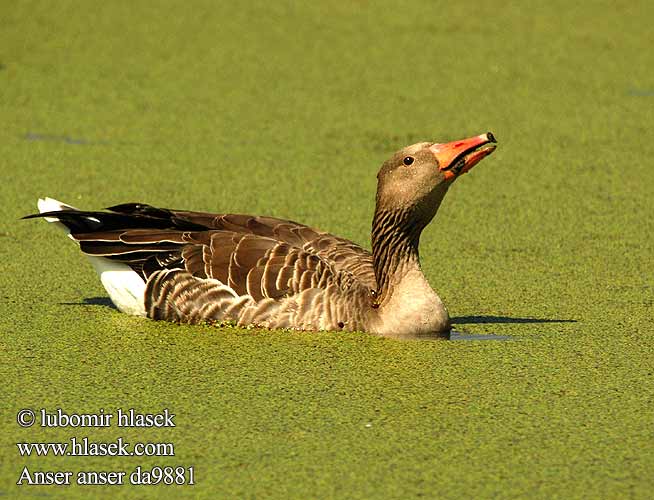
471 336
484 320
452 335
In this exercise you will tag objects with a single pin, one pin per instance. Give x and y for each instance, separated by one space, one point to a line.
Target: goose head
410 188
415 179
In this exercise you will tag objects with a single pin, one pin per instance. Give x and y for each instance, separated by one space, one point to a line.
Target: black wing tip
53 213
141 209
123 216
128 208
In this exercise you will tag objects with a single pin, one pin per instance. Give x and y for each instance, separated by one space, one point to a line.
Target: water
452 335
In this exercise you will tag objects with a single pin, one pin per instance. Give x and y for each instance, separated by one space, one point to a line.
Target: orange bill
457 157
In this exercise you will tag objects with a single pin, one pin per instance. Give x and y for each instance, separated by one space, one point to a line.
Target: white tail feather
51 205
125 286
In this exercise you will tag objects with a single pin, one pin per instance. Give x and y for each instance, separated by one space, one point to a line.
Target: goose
196 267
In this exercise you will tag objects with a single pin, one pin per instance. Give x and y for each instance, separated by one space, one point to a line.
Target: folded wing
200 266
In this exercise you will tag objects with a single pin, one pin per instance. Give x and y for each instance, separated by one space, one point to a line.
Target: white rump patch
125 287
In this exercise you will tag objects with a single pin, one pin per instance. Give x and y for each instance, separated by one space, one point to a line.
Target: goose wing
250 264
341 254
253 270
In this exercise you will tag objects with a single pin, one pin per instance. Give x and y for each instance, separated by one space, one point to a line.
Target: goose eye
408 160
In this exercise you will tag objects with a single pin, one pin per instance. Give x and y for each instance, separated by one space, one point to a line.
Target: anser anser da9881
193 267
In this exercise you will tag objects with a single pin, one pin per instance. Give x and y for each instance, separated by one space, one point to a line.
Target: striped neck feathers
395 239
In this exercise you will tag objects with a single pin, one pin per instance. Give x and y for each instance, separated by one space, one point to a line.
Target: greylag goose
194 267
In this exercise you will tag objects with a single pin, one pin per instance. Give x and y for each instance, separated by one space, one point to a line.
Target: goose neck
395 239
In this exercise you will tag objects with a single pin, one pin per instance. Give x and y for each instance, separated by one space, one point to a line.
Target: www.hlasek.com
87 447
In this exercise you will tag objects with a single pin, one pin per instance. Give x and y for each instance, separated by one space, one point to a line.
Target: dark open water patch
451 335
480 320
635 92
484 320
32 136
455 335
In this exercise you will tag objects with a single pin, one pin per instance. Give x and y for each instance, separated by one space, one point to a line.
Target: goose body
194 267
